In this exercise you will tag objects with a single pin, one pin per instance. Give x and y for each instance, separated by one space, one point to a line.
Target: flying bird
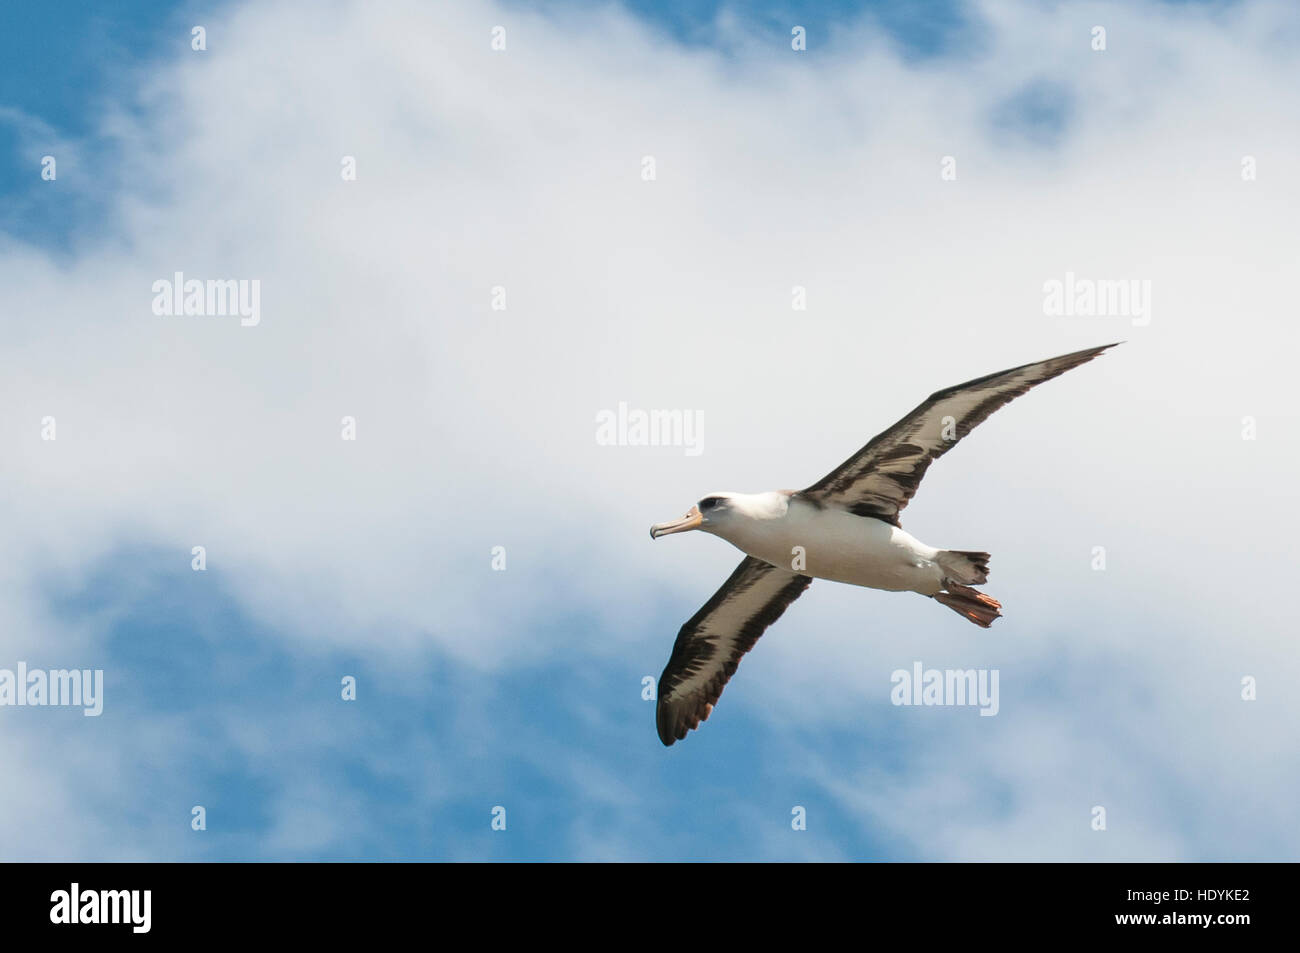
844 528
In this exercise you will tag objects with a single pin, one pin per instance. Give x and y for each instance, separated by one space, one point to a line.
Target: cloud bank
487 176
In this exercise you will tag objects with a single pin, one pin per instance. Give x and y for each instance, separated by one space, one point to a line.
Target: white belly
834 544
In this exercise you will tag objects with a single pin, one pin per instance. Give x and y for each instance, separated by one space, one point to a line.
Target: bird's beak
691 520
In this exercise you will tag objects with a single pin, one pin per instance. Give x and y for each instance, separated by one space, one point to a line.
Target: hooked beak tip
691 520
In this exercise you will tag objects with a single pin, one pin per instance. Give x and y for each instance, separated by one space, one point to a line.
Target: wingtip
663 725
669 737
1088 353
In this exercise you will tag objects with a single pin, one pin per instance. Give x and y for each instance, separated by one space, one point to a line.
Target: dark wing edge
882 477
709 647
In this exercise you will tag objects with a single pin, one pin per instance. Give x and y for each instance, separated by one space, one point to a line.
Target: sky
504 266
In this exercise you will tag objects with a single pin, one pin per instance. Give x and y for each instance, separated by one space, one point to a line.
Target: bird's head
709 514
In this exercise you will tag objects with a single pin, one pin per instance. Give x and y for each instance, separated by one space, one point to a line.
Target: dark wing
709 647
881 478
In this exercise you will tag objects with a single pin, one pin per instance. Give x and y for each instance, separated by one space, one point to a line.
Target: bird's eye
708 503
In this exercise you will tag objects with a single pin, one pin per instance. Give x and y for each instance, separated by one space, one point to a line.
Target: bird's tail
970 603
962 570
969 569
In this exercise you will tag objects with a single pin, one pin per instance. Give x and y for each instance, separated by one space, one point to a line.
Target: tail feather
967 568
970 604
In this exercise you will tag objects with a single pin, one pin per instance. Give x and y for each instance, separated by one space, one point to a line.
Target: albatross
844 528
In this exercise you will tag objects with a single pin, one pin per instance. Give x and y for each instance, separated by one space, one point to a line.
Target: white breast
831 543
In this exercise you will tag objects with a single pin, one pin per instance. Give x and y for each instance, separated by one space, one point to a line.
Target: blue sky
61 61
522 688
64 60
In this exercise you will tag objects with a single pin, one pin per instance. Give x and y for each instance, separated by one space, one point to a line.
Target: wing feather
882 477
709 647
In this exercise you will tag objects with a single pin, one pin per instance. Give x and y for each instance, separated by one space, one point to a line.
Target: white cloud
476 427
